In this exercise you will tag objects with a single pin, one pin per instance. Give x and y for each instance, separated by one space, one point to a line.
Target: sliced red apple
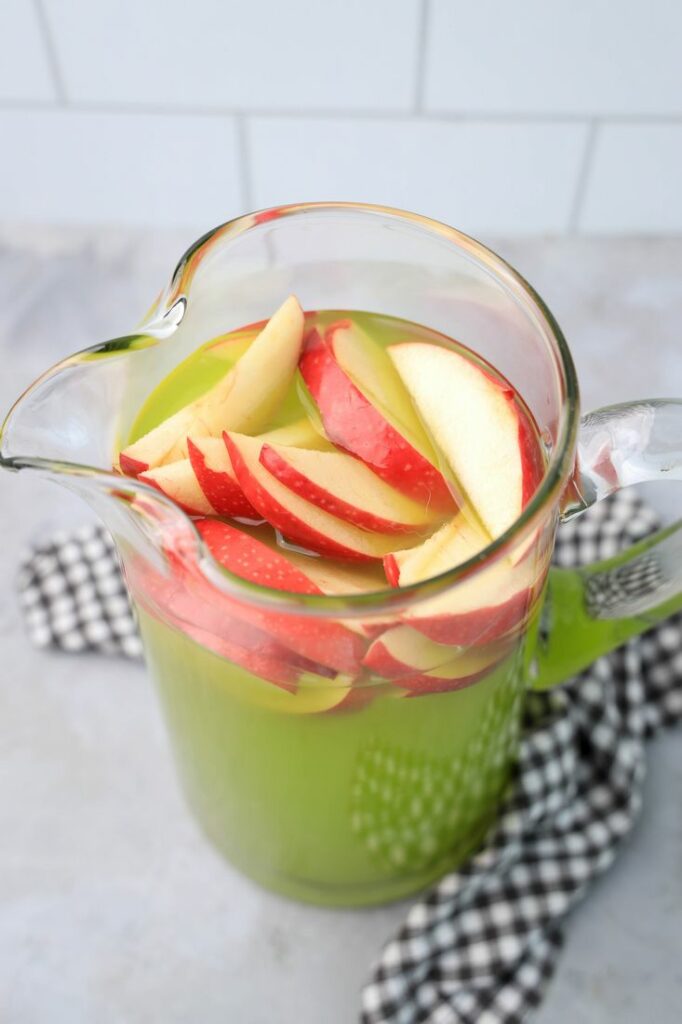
298 520
215 476
420 665
244 399
477 423
367 411
323 641
346 488
482 607
179 482
455 542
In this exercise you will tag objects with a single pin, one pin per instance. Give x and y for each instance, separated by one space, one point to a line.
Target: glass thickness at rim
559 468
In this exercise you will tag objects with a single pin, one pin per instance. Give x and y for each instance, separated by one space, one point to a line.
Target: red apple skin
391 570
316 495
252 560
185 508
478 626
322 641
531 457
293 528
381 660
354 424
220 490
131 467
198 617
421 685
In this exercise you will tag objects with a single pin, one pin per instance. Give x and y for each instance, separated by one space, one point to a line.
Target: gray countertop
113 909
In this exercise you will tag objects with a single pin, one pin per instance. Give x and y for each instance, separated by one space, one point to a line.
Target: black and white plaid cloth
481 946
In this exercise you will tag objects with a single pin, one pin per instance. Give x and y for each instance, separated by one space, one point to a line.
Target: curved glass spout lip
167 313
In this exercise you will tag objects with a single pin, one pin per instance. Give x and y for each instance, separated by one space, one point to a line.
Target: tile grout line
433 116
573 226
244 158
51 52
420 67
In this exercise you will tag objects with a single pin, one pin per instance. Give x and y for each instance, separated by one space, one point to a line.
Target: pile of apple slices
413 460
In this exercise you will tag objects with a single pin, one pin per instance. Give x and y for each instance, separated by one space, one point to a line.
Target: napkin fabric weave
482 945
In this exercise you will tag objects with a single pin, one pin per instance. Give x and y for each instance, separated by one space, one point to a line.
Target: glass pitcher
349 749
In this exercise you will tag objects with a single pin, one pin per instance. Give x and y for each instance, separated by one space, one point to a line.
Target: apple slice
455 542
323 641
213 470
179 482
153 448
481 607
346 488
279 680
297 519
413 661
477 423
343 372
301 434
244 399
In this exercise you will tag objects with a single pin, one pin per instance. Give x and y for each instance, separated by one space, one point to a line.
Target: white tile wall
570 57
311 54
497 116
92 167
24 66
481 177
636 180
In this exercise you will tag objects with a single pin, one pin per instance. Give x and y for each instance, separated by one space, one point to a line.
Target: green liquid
353 805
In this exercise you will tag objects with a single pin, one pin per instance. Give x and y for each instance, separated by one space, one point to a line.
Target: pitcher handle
591 610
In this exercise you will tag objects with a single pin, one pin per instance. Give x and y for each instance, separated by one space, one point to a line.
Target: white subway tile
491 177
634 185
582 57
264 54
131 169
24 69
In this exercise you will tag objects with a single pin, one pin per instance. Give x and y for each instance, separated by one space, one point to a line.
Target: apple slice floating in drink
478 426
420 665
482 608
299 520
179 482
321 640
346 488
245 399
212 468
366 410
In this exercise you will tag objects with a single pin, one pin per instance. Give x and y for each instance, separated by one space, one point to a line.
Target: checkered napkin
481 946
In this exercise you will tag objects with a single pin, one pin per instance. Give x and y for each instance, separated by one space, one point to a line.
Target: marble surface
112 907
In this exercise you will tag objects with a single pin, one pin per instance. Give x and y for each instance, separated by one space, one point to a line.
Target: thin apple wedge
487 605
215 476
346 488
322 641
179 482
477 423
297 519
455 542
245 399
154 448
420 665
366 410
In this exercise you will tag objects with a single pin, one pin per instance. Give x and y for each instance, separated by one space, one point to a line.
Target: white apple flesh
478 426
245 399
